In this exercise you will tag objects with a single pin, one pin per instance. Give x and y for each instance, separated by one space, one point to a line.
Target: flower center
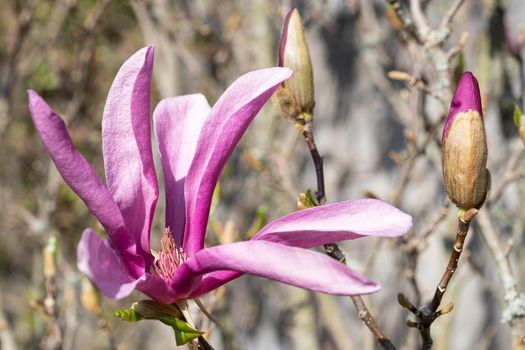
169 259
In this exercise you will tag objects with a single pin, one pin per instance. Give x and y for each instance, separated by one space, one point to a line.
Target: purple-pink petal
284 38
337 222
295 266
79 175
126 142
226 123
178 122
97 260
157 289
467 97
212 281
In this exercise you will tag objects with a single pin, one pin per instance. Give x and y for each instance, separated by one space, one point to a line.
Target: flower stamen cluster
169 259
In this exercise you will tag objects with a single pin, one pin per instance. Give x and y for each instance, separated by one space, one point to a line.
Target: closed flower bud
297 101
464 147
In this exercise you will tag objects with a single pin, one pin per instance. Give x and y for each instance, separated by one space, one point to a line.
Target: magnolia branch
408 25
8 68
457 249
445 23
7 337
429 313
333 249
200 343
53 340
420 19
318 162
508 175
514 311
425 234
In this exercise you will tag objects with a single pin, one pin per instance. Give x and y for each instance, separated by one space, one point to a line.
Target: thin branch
425 317
374 252
514 312
8 70
53 340
365 315
414 150
318 162
418 83
445 23
207 313
457 249
490 237
429 313
522 76
478 267
155 26
7 338
24 23
201 343
423 29
455 51
413 245
507 175
412 253
435 223
333 249
81 71
406 171
408 24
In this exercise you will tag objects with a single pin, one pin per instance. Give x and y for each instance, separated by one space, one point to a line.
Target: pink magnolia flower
194 141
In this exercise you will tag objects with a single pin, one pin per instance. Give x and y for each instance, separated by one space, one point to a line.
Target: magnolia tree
172 271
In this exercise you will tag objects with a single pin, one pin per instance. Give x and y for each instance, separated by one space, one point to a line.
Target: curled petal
126 142
337 222
79 175
226 123
178 122
290 265
97 260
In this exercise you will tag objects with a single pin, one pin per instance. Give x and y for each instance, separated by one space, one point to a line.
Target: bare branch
513 297
445 23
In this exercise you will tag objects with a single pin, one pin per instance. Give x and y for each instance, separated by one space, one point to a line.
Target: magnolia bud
297 101
464 147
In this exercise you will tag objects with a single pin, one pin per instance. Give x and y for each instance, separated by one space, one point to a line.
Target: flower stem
54 339
202 344
455 254
318 162
429 313
333 250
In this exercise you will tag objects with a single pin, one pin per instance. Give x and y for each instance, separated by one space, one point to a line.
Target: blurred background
379 137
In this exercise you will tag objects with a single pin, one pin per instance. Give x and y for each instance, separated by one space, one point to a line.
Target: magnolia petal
284 38
178 122
126 143
157 289
79 175
337 222
226 123
212 281
97 260
295 266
